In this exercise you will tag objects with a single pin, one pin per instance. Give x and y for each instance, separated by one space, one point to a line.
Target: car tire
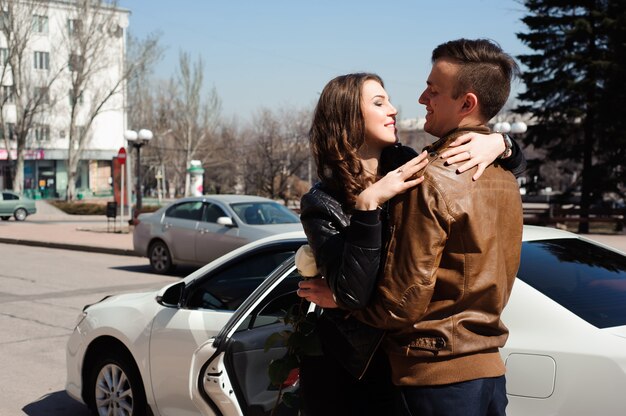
115 387
20 214
5 217
160 258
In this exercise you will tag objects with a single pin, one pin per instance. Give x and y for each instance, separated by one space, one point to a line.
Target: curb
75 247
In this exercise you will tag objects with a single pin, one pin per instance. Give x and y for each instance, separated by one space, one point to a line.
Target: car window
260 213
585 278
212 212
228 288
191 210
276 304
8 196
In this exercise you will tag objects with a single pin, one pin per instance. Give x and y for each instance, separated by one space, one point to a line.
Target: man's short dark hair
485 69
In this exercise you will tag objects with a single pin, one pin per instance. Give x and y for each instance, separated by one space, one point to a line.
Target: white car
566 354
198 230
132 352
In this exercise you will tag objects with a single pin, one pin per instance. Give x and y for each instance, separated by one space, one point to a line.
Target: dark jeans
327 389
481 397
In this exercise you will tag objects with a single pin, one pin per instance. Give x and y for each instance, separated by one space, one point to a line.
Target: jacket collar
435 148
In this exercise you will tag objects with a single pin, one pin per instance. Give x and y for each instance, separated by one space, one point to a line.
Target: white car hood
620 331
131 299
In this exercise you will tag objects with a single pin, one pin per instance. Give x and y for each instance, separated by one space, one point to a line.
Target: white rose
305 262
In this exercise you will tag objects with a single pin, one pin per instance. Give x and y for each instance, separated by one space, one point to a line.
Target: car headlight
80 318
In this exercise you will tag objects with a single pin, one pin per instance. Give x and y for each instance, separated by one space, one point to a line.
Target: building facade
49 64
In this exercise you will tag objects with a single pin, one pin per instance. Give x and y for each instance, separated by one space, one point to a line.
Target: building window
9 128
75 99
40 24
4 56
42 133
41 95
74 27
42 60
5 20
7 94
75 63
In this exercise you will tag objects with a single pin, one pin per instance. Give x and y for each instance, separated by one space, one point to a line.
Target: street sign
121 155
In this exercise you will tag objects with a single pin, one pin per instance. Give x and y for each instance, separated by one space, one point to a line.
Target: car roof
275 238
227 198
534 233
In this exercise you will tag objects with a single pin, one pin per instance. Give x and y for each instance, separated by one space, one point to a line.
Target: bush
80 208
91 208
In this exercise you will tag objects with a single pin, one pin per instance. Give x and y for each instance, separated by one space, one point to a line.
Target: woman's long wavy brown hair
336 134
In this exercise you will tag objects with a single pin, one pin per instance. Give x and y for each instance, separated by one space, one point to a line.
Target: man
454 250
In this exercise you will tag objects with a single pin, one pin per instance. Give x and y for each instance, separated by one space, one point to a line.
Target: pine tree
575 89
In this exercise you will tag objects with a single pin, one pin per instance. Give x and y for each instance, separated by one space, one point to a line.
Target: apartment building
48 65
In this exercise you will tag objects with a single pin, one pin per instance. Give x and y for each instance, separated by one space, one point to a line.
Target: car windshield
260 213
585 278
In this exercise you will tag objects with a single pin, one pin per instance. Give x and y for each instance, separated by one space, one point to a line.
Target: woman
353 141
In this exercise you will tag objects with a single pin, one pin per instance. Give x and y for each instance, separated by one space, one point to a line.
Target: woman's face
378 114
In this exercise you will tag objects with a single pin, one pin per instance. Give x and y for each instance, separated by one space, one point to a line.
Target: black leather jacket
348 249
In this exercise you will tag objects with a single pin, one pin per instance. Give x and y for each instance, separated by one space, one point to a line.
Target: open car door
229 373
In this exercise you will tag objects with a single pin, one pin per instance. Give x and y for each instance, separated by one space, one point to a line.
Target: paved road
42 291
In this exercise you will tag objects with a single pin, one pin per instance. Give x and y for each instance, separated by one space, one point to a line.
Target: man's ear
470 104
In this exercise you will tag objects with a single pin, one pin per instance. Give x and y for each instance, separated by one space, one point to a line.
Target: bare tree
25 88
196 115
279 153
93 30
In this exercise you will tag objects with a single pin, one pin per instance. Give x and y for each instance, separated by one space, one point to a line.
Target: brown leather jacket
450 266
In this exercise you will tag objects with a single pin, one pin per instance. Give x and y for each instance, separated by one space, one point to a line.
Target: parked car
15 205
198 230
135 350
566 354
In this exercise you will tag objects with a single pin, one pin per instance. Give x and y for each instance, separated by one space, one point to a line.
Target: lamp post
137 140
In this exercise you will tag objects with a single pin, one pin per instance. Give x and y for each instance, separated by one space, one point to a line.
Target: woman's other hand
393 183
475 150
318 292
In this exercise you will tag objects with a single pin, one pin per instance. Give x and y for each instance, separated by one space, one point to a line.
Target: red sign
121 155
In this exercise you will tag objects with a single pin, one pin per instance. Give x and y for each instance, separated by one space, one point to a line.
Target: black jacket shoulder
347 247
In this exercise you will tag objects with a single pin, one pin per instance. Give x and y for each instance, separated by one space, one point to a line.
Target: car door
179 228
208 304
229 373
3 204
212 239
8 201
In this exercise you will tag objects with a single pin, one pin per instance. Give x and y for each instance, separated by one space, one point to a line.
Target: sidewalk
51 227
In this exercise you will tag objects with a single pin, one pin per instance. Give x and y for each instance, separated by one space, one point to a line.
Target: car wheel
115 388
20 214
5 218
160 258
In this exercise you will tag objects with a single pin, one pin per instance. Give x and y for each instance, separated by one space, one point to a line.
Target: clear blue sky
280 53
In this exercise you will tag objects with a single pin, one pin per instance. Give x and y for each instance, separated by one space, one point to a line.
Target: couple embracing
421 248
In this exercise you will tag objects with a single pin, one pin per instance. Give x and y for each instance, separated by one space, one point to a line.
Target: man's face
443 113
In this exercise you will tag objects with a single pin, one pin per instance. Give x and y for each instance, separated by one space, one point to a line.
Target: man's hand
318 292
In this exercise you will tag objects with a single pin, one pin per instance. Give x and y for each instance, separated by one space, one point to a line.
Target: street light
137 140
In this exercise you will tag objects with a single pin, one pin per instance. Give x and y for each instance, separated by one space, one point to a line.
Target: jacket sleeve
516 163
347 253
403 297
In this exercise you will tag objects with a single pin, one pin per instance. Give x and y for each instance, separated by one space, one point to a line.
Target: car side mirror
226 222
172 295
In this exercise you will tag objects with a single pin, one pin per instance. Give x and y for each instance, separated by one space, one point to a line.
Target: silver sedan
198 230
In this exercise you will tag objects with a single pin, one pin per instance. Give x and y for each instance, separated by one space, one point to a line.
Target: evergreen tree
574 88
